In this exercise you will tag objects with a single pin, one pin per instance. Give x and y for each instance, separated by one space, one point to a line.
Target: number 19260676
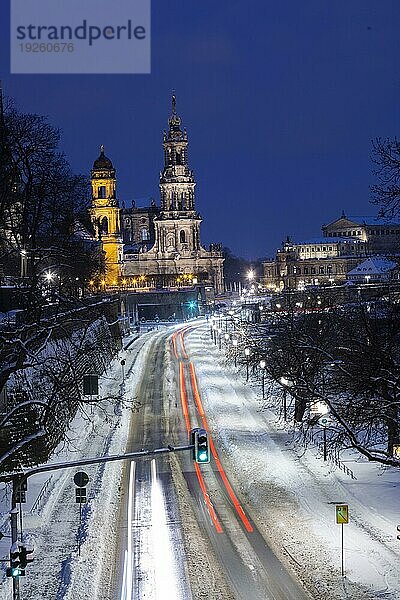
57 47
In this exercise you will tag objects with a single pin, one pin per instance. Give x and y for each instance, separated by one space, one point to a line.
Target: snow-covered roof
82 233
373 266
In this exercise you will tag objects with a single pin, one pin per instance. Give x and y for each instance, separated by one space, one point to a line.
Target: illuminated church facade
155 246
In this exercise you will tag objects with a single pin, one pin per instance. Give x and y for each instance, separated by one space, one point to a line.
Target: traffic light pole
14 531
19 478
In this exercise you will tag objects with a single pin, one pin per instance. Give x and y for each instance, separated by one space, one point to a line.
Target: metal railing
37 504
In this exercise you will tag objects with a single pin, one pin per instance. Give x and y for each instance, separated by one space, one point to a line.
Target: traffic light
14 570
201 448
23 556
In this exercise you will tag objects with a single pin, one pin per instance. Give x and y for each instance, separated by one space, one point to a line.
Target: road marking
123 589
129 554
220 468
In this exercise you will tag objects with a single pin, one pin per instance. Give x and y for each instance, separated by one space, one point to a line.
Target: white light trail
165 568
126 591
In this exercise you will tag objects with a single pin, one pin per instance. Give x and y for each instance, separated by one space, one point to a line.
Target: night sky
280 98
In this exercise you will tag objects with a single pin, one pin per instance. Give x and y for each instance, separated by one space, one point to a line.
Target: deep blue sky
280 99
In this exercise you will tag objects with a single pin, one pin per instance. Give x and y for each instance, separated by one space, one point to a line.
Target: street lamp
235 343
262 367
286 384
247 354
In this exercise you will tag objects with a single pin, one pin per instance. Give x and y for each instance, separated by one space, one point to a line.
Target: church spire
176 180
173 103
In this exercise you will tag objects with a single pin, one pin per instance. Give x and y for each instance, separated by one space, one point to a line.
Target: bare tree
386 192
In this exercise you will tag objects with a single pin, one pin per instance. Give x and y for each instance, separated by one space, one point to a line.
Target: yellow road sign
342 513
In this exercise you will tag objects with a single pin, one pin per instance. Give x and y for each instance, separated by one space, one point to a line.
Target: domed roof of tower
102 162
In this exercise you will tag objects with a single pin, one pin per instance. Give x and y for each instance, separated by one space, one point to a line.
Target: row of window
307 249
321 270
344 233
323 248
358 232
383 231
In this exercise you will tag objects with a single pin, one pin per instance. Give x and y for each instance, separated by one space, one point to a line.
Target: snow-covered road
148 526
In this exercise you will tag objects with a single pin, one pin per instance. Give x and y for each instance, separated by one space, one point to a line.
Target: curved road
152 558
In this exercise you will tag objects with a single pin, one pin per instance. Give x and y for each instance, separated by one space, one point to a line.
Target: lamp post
211 326
247 354
226 336
286 383
214 331
235 343
219 338
262 367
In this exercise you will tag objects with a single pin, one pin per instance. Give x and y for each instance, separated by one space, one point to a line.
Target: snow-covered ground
57 571
291 493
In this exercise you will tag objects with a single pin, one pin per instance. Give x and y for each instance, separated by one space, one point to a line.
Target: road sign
342 514
80 495
90 385
398 529
122 362
20 497
81 479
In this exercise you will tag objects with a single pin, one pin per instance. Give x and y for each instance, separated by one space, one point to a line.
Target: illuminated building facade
346 242
156 246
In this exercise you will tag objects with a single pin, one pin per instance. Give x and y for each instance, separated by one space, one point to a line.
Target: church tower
105 213
178 225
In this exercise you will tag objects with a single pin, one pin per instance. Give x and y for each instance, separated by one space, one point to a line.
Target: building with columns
346 242
155 246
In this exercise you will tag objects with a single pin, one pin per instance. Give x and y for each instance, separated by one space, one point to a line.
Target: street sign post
342 514
342 518
81 479
396 451
325 421
90 385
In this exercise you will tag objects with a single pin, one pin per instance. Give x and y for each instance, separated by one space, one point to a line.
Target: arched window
101 191
182 237
104 225
145 234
